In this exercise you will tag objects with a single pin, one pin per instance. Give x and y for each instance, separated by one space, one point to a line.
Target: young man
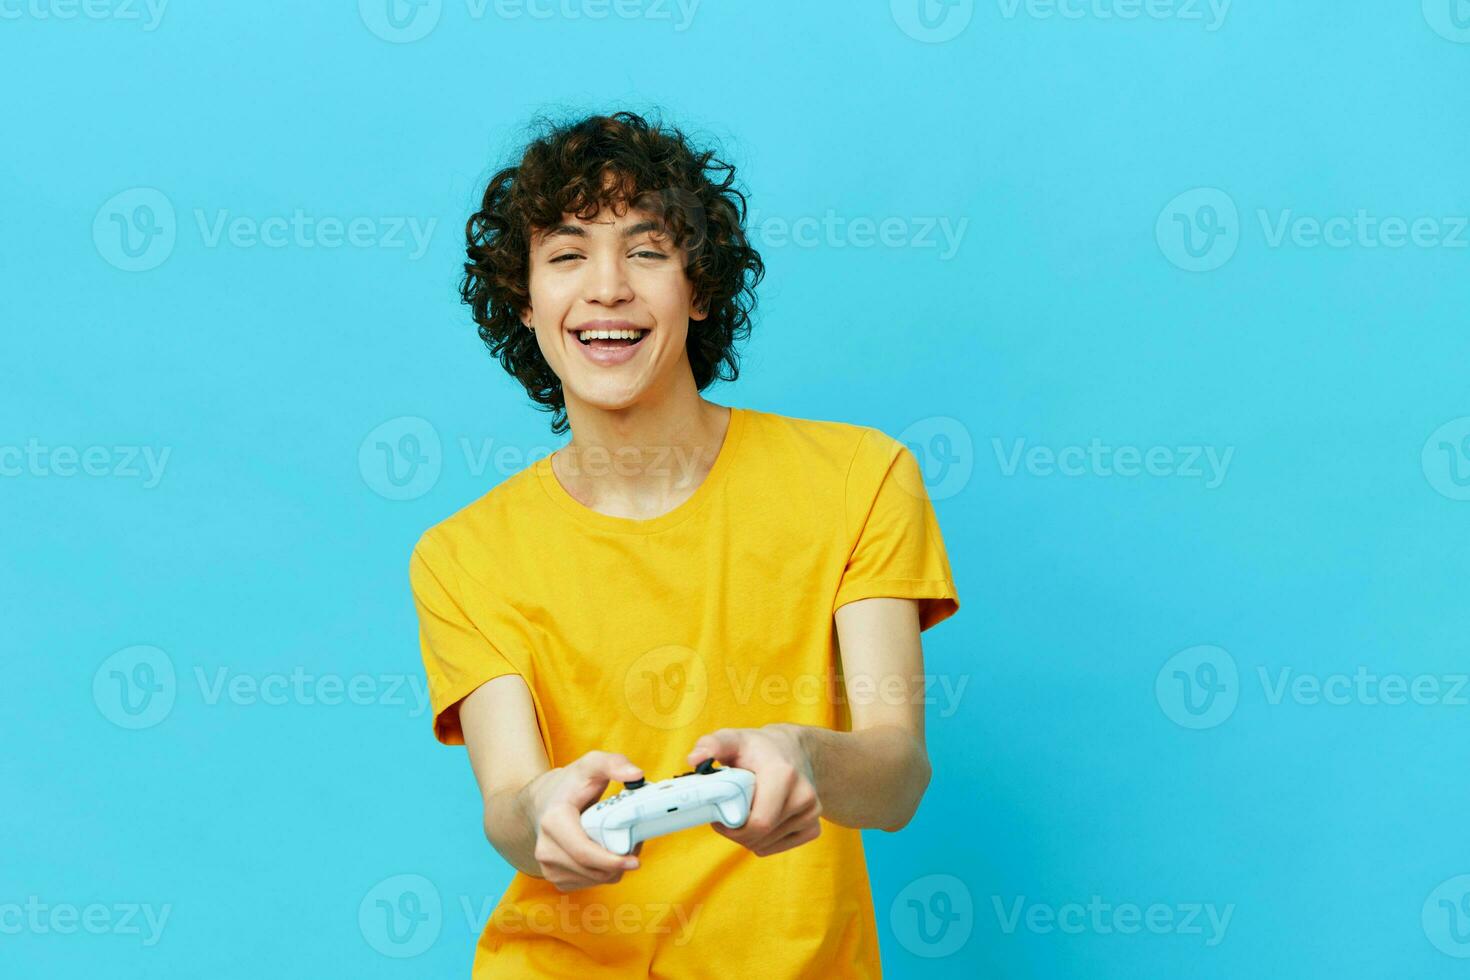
682 581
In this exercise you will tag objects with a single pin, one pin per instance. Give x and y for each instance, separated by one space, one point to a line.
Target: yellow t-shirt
638 636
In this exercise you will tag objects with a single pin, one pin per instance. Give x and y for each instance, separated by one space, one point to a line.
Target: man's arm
872 776
533 812
500 734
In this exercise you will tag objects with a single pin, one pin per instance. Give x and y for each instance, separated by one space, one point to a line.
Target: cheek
549 291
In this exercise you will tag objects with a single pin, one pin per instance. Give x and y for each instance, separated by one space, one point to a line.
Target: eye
656 255
568 255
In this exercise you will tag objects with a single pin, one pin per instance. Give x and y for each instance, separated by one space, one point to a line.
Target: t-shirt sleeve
458 656
897 549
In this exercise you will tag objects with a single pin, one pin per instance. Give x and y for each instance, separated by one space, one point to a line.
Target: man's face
614 272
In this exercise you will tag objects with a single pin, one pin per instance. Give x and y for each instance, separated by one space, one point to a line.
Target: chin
610 398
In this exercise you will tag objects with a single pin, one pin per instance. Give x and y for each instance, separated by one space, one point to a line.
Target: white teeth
586 335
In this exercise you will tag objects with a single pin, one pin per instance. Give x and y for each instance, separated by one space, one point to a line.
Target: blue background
1335 541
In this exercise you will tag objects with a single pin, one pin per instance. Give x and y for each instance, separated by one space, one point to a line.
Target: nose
607 281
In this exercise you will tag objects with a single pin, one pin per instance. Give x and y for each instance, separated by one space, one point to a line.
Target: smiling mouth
611 339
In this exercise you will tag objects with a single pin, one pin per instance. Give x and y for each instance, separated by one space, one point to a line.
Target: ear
526 318
698 312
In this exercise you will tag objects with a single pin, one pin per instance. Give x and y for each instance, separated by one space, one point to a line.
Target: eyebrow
578 231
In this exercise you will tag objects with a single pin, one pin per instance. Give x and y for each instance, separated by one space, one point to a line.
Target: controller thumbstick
635 784
705 767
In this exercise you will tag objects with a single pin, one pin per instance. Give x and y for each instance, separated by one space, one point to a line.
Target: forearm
510 828
869 778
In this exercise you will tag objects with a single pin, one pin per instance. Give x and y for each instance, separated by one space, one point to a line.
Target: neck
642 460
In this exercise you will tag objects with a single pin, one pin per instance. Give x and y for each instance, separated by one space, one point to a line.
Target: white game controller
644 810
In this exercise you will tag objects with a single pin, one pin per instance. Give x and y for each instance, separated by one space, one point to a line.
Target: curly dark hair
618 161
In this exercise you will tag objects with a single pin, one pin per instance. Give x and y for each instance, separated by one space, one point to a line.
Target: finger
607 766
769 802
747 835
789 823
723 745
564 827
562 871
802 835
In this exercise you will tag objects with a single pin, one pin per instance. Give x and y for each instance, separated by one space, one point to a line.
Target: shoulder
839 445
466 532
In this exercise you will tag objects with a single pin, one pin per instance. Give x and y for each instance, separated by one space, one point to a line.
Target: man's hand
554 802
785 811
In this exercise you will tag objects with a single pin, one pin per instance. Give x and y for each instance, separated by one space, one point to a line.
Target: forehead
572 228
